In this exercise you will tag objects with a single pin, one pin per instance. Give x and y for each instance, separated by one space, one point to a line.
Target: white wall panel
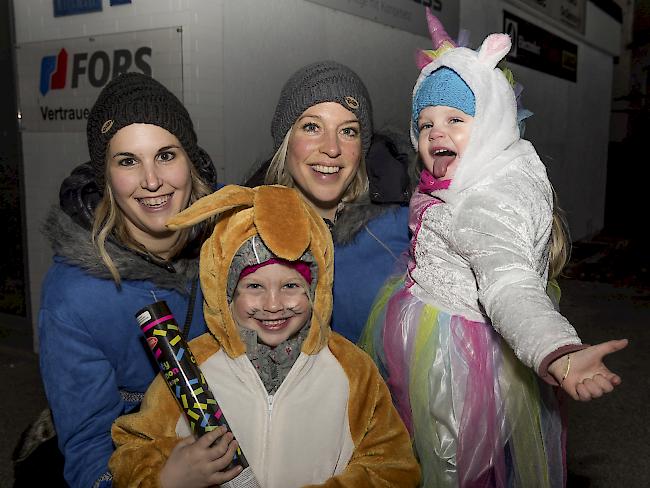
264 46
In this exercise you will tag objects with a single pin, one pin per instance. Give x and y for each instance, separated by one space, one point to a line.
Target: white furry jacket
480 246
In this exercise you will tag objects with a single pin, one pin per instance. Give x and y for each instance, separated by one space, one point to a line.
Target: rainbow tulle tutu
478 417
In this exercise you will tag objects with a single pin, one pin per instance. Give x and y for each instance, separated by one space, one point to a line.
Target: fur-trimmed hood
287 225
354 217
72 242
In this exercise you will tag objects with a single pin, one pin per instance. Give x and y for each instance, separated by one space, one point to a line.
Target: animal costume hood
494 141
287 224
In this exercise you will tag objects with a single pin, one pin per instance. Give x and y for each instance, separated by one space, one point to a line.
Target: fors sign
93 69
97 68
59 80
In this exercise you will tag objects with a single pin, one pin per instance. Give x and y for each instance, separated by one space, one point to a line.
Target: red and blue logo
53 72
91 68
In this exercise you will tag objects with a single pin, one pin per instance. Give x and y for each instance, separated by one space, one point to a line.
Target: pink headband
300 266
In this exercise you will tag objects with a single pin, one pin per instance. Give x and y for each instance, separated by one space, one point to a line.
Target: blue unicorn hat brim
443 87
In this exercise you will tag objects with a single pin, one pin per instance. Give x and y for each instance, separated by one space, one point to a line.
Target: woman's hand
200 463
583 375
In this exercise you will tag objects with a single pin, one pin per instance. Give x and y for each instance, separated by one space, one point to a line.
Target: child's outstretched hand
199 463
587 377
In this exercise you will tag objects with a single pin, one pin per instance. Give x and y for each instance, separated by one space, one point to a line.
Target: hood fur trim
354 217
73 243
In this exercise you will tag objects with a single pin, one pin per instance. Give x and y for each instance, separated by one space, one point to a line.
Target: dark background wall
14 305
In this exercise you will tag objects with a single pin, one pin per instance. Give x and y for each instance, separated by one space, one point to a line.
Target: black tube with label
186 381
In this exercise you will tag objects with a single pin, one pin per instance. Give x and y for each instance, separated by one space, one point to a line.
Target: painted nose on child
272 301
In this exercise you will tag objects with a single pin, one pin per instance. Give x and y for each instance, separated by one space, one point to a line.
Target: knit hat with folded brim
253 254
325 81
135 98
443 87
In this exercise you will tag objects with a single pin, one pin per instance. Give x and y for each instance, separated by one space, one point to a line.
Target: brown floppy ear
281 221
224 199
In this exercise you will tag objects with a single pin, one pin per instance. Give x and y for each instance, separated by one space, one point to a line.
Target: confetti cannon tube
186 381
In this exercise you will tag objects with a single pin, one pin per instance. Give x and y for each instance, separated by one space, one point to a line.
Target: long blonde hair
109 221
277 173
559 244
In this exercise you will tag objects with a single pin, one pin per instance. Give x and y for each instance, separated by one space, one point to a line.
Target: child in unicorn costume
468 339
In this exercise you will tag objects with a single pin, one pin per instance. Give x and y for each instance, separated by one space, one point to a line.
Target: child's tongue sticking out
442 158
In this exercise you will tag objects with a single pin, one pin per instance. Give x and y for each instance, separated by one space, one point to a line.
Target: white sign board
60 80
407 15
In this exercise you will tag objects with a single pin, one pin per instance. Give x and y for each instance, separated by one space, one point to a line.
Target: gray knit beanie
254 252
133 98
325 81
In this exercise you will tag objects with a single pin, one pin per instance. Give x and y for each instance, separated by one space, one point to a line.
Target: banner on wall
60 80
407 15
539 49
569 12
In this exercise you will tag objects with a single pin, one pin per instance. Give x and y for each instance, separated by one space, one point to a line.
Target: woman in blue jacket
113 256
357 181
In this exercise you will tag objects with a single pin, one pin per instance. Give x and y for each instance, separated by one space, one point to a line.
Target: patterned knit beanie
135 98
443 87
325 81
253 254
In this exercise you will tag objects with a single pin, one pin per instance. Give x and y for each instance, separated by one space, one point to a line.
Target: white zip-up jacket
481 249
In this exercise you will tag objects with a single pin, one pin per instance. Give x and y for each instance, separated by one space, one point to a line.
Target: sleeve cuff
562 351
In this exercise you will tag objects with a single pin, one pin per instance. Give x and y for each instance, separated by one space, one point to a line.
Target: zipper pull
269 402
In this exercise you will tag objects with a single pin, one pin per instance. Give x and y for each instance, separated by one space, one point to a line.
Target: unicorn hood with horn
496 132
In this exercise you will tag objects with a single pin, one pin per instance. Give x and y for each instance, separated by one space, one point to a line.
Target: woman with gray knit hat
324 146
113 256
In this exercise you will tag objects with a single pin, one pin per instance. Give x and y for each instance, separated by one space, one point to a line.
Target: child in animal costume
461 335
307 406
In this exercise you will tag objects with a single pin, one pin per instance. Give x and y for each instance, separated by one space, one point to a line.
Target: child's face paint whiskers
273 302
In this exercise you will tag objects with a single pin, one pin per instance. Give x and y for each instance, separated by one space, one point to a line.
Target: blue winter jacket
364 260
94 361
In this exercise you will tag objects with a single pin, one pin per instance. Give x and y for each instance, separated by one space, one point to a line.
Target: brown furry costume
374 450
